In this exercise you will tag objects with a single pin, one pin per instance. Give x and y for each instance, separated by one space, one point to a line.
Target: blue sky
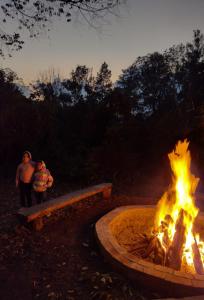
143 26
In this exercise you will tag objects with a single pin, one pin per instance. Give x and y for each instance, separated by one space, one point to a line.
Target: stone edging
110 244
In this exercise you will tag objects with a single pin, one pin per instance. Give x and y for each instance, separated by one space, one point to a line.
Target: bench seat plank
37 211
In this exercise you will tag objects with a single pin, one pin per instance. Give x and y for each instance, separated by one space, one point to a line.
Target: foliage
88 130
103 84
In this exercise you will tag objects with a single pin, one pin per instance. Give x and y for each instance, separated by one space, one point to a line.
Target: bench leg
38 224
107 193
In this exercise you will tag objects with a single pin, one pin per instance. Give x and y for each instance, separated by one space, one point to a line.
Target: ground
62 261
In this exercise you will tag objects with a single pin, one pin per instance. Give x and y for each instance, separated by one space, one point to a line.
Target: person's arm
17 176
33 177
49 180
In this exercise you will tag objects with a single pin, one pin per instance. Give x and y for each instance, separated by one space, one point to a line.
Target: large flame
180 198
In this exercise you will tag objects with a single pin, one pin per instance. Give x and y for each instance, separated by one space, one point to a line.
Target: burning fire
176 212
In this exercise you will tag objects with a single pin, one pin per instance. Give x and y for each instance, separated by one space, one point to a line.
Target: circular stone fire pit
117 229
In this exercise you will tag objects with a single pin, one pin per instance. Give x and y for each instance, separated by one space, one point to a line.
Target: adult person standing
24 176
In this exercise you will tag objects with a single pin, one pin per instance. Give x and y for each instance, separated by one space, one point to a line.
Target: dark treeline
89 130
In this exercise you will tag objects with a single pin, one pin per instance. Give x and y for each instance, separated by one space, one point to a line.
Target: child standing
24 176
42 180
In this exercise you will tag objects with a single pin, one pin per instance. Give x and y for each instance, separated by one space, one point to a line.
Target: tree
49 87
187 66
120 105
36 15
103 84
194 70
175 58
149 81
80 83
15 117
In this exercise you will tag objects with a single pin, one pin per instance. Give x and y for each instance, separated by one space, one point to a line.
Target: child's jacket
42 180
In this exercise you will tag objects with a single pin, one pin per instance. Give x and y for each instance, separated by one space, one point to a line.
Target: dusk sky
144 26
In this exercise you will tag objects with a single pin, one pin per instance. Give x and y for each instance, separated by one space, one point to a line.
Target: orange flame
180 196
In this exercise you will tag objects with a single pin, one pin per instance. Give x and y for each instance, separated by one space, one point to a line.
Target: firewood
166 240
168 219
151 247
197 261
138 246
159 253
138 249
175 251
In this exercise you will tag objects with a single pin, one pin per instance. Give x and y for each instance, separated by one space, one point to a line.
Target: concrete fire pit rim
110 245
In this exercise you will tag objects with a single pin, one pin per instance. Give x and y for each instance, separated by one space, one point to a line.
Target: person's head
26 156
40 165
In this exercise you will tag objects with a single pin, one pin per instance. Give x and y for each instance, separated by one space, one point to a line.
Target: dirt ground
62 261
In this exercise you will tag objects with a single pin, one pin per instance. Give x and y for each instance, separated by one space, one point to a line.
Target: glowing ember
176 212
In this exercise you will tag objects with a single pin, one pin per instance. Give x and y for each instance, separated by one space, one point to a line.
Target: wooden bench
35 213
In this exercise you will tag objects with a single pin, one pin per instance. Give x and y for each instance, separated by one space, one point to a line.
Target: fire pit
116 233
160 246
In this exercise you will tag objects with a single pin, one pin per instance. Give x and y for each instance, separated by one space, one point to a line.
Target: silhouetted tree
149 82
103 83
194 70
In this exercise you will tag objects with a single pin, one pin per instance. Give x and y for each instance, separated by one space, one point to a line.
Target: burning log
164 227
159 254
175 251
155 251
197 261
151 247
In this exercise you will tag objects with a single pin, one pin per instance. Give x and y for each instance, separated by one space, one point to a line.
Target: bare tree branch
34 15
